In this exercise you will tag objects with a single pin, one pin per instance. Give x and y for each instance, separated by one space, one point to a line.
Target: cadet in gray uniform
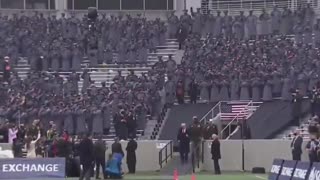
251 24
275 20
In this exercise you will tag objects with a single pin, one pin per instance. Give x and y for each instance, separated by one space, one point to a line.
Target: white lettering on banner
314 174
286 171
300 173
275 169
30 168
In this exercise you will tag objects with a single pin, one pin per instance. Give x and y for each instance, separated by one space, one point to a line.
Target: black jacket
131 151
215 149
86 151
100 149
296 145
184 140
117 148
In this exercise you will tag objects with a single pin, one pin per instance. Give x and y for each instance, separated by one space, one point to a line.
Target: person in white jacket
31 145
12 134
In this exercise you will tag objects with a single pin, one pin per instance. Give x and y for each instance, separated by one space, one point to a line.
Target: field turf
201 176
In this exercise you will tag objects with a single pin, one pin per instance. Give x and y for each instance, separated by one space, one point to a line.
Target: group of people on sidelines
192 136
90 155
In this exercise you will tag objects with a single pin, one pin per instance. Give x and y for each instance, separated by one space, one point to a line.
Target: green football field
203 177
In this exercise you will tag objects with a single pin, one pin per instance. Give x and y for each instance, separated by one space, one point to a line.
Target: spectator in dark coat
100 156
296 146
181 35
296 109
6 69
17 148
184 143
86 157
216 154
131 155
209 130
116 147
193 92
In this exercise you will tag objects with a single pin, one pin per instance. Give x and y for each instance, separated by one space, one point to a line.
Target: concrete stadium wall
147 154
257 153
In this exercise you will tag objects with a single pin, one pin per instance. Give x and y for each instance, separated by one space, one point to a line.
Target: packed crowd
221 66
49 98
56 44
226 66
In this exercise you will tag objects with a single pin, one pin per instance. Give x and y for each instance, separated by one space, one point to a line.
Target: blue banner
287 170
314 172
275 169
23 168
301 171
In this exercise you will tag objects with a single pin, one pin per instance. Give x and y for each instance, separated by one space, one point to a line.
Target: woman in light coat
31 145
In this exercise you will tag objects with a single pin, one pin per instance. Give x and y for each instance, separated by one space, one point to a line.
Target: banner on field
275 169
314 171
301 171
24 168
287 170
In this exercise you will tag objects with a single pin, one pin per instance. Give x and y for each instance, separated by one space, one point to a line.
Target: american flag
234 109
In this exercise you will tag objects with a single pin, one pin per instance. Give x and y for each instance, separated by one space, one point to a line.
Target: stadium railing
242 115
168 153
257 5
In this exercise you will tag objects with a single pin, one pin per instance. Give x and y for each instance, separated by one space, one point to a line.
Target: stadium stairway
181 114
106 72
175 164
302 129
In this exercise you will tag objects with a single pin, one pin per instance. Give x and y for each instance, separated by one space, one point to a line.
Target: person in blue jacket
113 168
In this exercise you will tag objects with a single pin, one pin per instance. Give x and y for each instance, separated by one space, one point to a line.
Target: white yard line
260 177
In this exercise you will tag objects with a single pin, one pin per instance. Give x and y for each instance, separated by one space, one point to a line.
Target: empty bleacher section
182 114
271 118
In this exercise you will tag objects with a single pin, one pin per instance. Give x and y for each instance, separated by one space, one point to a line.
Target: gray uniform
244 92
173 21
275 20
286 95
224 91
251 25
264 18
234 90
267 91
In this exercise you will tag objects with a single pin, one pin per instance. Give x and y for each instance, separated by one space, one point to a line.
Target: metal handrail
165 148
235 118
235 6
211 112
